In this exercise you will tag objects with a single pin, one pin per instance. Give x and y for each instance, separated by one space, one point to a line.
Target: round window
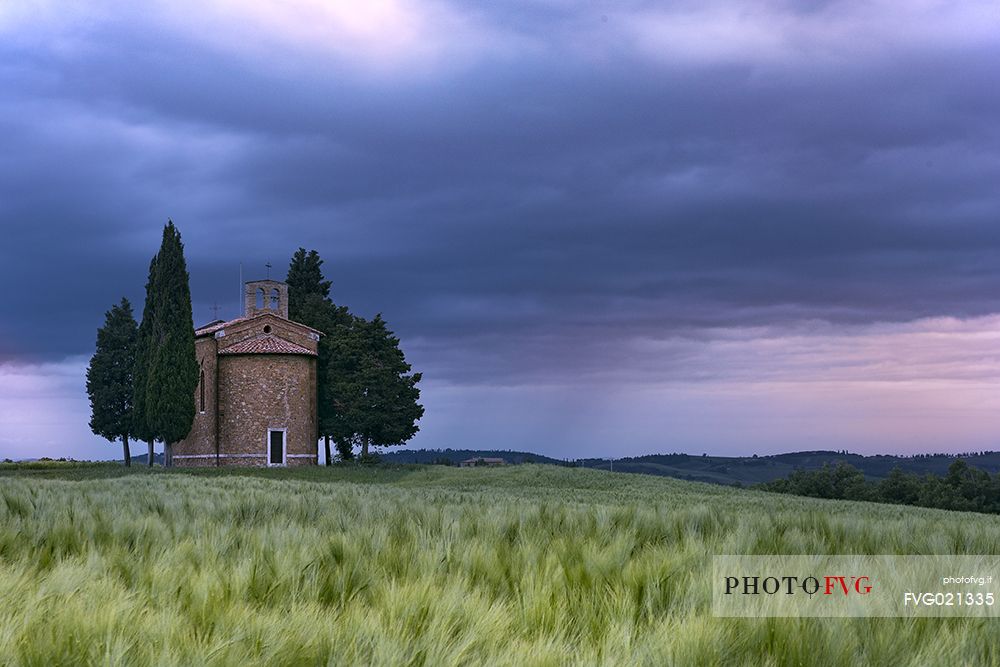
267 328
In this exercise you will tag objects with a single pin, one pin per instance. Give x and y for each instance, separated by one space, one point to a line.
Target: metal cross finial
268 265
215 311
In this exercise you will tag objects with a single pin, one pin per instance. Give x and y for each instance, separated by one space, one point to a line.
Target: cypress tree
141 428
172 370
109 377
373 392
309 303
305 281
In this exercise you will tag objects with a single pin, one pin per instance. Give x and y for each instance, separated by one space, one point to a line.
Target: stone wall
201 440
258 392
234 461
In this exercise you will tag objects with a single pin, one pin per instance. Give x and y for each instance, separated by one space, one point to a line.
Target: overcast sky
599 228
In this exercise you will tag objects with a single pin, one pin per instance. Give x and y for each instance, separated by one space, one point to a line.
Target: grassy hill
432 565
729 470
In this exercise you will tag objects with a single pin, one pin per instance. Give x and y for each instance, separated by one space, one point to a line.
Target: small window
201 383
267 328
275 299
260 297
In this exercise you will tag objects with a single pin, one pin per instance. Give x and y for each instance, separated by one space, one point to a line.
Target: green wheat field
525 565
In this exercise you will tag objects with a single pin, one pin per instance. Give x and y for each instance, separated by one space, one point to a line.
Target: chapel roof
266 344
216 325
212 326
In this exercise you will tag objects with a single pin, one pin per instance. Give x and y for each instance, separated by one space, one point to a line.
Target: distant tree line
964 487
142 377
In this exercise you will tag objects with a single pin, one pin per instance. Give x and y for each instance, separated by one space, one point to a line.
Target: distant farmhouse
256 396
482 461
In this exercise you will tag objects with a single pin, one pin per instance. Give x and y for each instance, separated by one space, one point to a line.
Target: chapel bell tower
265 296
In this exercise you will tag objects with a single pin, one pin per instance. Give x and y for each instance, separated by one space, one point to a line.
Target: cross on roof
215 311
268 265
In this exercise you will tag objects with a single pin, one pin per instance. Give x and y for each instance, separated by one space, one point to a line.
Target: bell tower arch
265 296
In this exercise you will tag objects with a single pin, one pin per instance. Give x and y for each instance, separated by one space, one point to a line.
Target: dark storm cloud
560 192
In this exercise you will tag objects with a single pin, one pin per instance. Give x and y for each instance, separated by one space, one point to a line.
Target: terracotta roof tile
266 344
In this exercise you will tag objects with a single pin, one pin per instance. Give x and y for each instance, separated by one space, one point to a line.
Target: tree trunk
168 458
128 455
326 444
149 460
364 447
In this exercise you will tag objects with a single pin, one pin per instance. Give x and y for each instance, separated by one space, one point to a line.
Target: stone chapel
255 404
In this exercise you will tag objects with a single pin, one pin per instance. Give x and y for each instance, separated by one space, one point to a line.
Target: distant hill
730 470
428 456
456 456
752 470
